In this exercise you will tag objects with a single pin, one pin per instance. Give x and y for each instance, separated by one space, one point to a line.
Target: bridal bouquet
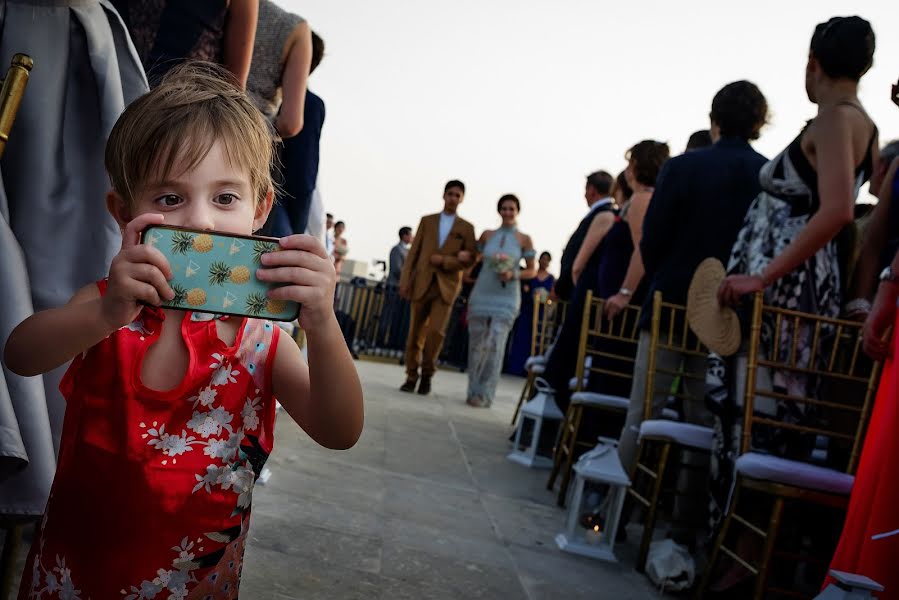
500 263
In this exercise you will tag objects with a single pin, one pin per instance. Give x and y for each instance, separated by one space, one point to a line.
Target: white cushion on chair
596 399
534 360
795 473
572 383
686 434
537 368
670 414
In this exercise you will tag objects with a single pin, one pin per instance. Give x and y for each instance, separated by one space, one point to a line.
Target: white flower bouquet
500 263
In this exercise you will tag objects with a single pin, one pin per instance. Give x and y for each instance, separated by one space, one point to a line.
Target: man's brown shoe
424 386
409 386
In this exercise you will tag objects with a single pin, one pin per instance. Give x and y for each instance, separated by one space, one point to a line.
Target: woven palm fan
717 327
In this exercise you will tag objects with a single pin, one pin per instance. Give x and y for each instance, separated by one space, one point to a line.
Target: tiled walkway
424 507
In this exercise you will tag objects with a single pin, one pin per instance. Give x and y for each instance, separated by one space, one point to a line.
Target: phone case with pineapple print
216 272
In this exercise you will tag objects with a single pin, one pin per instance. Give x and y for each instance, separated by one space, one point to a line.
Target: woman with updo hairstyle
496 299
621 252
787 247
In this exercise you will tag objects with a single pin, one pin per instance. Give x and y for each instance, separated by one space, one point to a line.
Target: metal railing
375 322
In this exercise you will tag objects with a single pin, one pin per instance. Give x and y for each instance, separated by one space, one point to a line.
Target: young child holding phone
170 414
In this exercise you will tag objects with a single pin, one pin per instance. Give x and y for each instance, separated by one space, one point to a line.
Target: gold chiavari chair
608 349
10 98
548 317
676 364
828 352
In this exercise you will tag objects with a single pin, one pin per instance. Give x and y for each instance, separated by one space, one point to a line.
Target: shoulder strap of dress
862 110
869 154
258 345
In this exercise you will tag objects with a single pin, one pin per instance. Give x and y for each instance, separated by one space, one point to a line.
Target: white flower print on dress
217 361
224 375
171 445
137 327
215 448
213 473
250 418
205 398
174 581
240 480
212 422
57 580
162 577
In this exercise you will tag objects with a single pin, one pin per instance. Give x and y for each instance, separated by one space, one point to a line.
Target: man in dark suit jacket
398 256
444 245
596 193
700 200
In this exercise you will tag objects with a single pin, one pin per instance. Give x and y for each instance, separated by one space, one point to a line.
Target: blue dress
492 309
522 332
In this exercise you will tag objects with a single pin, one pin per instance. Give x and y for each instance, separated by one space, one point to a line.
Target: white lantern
589 536
542 407
849 586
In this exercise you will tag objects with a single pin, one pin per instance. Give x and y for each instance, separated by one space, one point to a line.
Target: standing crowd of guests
784 227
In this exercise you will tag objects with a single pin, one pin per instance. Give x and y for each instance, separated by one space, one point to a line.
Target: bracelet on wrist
625 292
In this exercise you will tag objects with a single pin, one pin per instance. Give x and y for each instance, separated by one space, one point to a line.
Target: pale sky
528 97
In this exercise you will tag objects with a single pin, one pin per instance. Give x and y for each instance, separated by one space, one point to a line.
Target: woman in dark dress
168 32
615 262
522 334
788 249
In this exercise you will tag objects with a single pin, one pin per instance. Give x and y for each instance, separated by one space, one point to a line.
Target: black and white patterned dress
788 199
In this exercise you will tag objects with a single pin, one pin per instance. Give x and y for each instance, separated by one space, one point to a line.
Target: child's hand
139 273
302 264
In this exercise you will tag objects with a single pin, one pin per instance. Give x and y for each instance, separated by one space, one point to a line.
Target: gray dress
273 29
492 309
55 233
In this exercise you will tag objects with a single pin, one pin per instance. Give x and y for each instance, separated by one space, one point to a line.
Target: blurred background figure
699 139
523 331
341 249
329 234
398 256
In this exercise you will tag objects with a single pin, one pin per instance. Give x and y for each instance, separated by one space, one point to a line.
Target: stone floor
424 506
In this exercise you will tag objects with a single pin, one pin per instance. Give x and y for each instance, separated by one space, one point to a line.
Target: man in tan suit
443 247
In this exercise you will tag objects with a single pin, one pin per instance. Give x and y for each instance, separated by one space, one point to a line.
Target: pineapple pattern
217 273
180 295
196 297
260 248
181 242
202 243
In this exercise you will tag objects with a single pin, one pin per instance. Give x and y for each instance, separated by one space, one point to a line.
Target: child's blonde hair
195 105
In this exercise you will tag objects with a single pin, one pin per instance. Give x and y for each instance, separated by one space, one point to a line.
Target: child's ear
263 209
118 208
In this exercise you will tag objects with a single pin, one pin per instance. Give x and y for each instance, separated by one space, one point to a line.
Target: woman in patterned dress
169 32
787 247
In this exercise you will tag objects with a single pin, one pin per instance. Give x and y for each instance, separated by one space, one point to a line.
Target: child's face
212 196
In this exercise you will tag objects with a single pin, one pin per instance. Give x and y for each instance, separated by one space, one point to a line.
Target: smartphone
216 272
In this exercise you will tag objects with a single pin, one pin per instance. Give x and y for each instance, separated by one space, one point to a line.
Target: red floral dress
152 493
